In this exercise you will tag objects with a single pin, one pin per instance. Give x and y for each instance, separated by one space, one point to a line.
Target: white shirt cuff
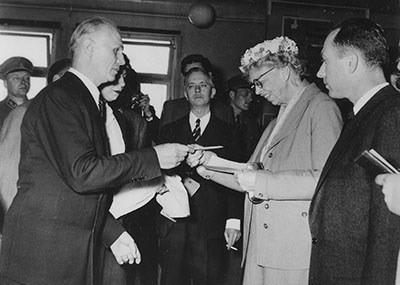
233 224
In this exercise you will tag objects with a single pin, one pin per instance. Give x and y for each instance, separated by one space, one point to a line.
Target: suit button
270 155
260 194
266 206
314 240
304 214
265 226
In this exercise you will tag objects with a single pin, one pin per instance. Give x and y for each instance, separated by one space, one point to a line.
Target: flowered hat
268 47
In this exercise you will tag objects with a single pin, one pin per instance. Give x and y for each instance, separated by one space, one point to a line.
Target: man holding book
355 238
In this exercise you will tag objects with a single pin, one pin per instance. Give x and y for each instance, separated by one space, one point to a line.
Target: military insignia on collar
11 104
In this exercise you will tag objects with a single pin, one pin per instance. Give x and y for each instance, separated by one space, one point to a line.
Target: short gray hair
199 69
87 27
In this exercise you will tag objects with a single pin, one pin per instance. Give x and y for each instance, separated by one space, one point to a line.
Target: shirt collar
203 121
367 96
88 83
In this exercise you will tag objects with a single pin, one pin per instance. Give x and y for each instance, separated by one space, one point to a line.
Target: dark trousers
140 224
186 257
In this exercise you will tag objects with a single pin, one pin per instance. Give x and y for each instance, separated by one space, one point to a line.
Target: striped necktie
196 130
102 108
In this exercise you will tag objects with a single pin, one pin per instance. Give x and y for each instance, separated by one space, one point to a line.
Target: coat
292 165
212 204
177 108
53 227
355 238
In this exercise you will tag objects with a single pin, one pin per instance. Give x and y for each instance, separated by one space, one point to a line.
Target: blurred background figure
57 69
247 131
139 126
10 141
395 75
16 74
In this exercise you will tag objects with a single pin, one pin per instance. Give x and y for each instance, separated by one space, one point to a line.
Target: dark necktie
102 108
103 115
196 130
237 120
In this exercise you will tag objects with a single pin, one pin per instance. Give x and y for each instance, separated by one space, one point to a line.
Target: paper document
223 165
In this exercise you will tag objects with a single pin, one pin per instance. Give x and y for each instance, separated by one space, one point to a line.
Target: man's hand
391 190
231 236
171 155
125 250
198 157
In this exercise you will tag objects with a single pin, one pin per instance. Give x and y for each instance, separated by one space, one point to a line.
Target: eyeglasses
257 83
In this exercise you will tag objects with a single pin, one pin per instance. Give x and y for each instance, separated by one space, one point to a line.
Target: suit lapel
82 94
349 130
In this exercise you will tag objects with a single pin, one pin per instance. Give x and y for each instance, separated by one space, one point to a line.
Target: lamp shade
201 14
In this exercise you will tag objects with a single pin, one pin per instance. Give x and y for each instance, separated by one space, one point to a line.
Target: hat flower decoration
269 47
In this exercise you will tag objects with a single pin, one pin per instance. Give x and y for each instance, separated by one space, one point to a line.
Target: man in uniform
16 74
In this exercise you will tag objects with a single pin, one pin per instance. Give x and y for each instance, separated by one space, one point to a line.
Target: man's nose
321 71
120 58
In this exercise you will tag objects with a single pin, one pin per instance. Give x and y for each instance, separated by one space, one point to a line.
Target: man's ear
213 92
231 95
88 46
5 83
353 60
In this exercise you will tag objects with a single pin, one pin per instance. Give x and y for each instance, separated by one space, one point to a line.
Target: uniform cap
237 82
15 63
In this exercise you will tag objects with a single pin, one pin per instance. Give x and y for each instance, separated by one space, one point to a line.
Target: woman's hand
231 236
197 157
144 104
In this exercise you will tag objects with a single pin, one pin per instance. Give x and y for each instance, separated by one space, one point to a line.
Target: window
32 43
153 56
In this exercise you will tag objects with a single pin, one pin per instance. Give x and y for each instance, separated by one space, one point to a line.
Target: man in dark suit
355 238
52 230
178 108
193 249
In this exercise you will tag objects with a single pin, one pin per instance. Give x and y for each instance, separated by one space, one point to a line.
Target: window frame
40 29
29 28
174 39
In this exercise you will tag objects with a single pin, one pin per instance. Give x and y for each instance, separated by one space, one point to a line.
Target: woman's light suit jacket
292 163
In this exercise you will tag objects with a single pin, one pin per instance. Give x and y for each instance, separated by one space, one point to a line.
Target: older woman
293 150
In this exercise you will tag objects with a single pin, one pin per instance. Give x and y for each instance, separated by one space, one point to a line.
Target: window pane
148 58
34 48
157 94
37 84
